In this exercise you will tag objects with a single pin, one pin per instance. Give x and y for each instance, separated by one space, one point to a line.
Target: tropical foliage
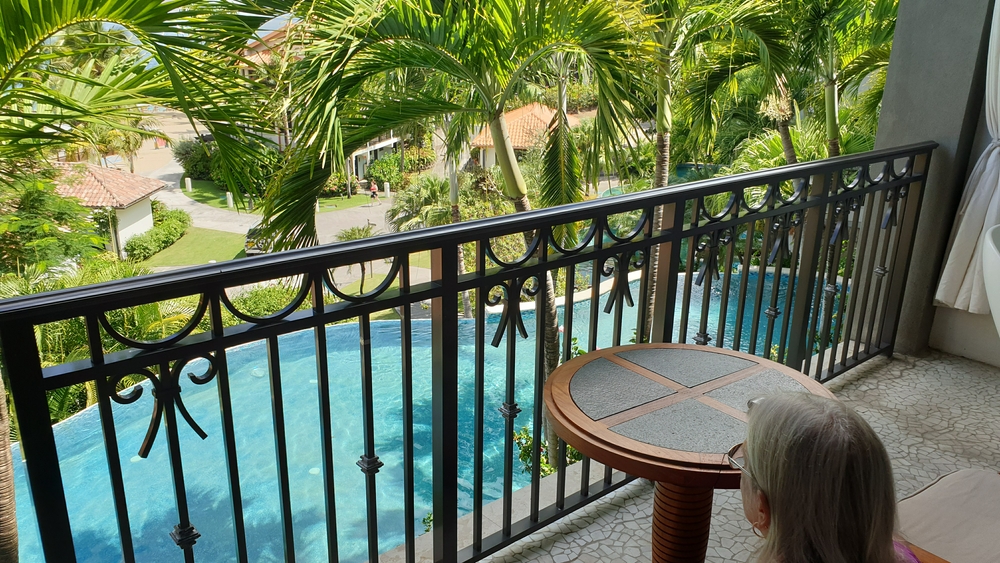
39 227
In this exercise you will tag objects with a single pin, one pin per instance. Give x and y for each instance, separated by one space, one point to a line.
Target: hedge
171 226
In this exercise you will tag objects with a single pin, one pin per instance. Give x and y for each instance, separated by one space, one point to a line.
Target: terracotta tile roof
525 125
95 186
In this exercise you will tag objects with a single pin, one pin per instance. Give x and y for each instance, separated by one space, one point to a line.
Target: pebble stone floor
935 414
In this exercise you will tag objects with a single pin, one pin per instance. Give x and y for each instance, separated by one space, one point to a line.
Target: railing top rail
46 307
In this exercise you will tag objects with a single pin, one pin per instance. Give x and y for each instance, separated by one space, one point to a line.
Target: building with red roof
108 188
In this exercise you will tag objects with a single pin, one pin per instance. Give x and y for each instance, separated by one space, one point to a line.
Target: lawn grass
199 246
209 193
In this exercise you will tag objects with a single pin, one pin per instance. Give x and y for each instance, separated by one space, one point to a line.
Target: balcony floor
935 415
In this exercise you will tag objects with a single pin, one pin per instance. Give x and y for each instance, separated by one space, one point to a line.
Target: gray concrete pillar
934 92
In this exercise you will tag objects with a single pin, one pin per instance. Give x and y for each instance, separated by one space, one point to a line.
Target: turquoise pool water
148 485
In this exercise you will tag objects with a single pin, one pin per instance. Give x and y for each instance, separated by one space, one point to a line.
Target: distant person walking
373 186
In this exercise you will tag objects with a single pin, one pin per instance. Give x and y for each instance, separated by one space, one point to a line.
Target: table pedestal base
681 520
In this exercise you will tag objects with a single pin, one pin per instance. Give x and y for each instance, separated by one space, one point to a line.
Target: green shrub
386 169
195 159
169 227
525 442
336 186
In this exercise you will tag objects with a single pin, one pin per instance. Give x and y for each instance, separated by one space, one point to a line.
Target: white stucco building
103 188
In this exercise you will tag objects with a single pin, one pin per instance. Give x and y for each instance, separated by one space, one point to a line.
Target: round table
669 413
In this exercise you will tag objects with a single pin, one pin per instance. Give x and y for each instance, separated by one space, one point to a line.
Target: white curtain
962 285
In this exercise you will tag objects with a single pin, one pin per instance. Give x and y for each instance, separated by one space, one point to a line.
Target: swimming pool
149 488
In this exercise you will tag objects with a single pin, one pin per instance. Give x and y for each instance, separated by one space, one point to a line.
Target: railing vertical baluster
793 272
561 476
228 429
707 282
325 419
369 462
568 303
827 293
642 318
480 407
872 276
406 365
814 327
862 272
567 355
444 393
809 263
668 259
38 444
597 271
727 277
104 391
842 332
904 252
772 311
546 284
280 448
881 270
689 275
510 409
758 300
741 301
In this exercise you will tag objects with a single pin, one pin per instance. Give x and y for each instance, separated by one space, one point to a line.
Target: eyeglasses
737 460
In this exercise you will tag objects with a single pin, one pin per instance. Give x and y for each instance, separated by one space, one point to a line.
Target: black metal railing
331 435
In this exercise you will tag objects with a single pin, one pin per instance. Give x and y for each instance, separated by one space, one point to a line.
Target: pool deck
935 414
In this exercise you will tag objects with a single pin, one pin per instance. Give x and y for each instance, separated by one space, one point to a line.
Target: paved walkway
328 224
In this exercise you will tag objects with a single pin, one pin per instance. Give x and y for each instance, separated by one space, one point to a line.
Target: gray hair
827 479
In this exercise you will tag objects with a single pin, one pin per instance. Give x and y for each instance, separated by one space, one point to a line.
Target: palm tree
836 40
741 31
194 67
485 49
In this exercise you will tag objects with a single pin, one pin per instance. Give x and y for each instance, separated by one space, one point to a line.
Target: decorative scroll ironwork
379 289
782 226
582 241
640 225
166 394
156 344
730 208
893 196
710 244
841 212
620 286
277 316
510 297
528 253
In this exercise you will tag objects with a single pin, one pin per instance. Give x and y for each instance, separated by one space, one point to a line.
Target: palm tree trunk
517 191
661 176
456 217
514 186
832 118
786 142
8 515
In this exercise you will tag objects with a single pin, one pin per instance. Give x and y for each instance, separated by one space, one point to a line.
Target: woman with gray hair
817 483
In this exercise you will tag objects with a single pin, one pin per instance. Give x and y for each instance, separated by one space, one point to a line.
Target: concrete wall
134 220
934 91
